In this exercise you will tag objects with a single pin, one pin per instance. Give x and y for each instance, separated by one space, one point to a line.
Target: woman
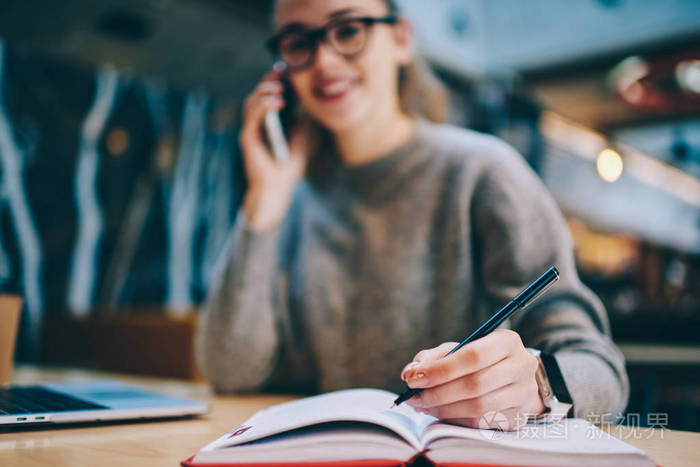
395 236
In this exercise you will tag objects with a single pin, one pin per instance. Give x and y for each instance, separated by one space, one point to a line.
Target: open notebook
357 425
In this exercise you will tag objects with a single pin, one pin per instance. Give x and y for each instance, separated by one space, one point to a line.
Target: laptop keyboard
35 399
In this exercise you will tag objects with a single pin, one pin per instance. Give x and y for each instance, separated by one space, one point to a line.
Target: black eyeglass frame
321 35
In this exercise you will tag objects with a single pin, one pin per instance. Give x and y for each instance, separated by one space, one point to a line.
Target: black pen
523 299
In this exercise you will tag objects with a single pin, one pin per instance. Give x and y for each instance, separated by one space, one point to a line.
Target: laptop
88 401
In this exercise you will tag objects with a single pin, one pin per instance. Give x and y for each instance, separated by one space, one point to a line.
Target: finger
507 420
428 355
473 357
468 422
268 87
513 395
264 88
257 155
255 113
436 353
258 99
272 75
479 383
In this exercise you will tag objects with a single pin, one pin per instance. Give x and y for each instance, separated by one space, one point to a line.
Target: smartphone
273 123
275 136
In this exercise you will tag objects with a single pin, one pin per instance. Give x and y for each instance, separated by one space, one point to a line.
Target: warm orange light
117 141
609 165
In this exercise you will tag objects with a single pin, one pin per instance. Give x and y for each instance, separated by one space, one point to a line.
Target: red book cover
418 460
358 463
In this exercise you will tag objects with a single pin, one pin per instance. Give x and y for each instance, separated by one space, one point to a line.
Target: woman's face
343 93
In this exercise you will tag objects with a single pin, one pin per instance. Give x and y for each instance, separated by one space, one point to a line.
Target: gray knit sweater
376 262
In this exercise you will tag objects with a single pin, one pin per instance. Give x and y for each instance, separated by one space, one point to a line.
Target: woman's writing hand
270 183
488 383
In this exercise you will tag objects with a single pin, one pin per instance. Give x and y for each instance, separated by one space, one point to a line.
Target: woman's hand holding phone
270 182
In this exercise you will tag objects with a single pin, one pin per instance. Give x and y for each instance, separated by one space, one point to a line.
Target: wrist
552 388
265 208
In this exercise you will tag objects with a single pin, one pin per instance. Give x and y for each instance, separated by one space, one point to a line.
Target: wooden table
168 443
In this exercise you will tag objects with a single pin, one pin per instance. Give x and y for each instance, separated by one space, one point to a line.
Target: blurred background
120 174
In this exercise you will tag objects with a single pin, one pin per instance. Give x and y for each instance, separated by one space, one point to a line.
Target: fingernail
416 378
408 368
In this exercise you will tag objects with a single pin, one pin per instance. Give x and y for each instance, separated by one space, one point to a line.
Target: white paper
359 405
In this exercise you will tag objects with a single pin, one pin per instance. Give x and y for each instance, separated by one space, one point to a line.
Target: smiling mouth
334 89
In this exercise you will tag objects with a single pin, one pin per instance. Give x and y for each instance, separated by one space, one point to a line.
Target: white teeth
335 88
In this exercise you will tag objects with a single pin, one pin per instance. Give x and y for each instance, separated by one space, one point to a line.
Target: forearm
521 232
599 390
238 337
592 366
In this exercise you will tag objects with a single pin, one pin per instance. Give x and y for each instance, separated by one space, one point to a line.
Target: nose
326 58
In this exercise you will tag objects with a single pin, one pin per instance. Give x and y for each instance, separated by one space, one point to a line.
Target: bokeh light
609 165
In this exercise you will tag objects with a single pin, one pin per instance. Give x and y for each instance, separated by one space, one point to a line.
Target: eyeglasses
297 46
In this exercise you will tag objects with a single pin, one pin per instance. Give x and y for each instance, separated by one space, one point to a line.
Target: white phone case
273 126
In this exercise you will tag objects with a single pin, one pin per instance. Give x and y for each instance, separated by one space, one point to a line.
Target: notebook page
344 441
571 435
360 405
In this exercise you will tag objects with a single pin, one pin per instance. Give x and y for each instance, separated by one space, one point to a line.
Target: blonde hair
421 93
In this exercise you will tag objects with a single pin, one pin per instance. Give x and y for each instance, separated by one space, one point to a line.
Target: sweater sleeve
519 233
238 339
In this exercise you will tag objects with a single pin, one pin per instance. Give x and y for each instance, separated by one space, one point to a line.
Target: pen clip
540 292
